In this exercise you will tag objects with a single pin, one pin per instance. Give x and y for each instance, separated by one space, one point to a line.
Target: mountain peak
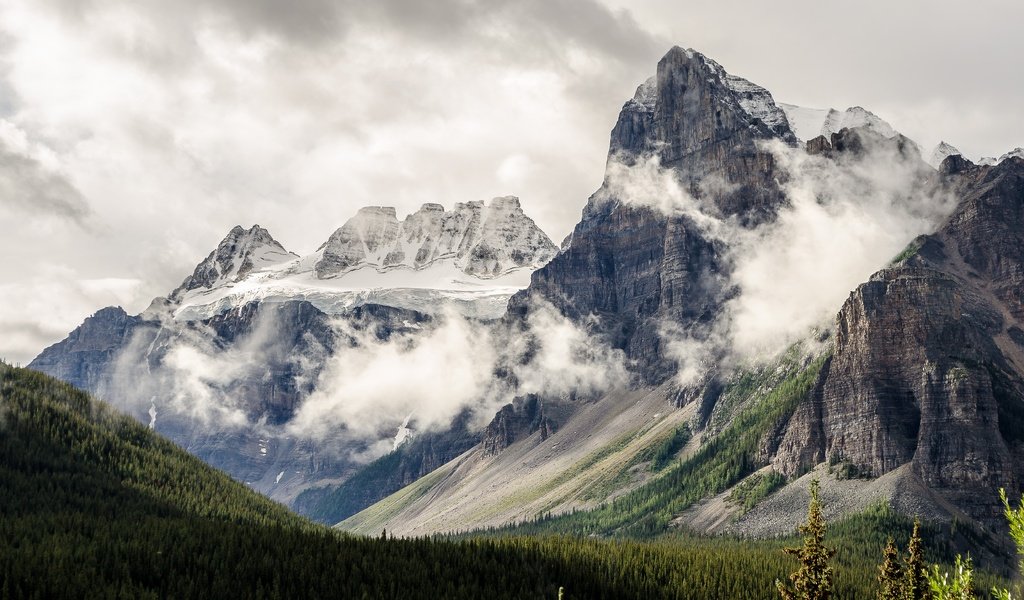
856 116
940 153
483 239
989 161
241 251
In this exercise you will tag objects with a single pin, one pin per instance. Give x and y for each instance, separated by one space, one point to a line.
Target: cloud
48 305
372 386
845 218
34 189
370 390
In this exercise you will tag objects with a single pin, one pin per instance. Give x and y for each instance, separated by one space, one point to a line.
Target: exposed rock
515 421
632 266
924 370
485 240
83 357
235 257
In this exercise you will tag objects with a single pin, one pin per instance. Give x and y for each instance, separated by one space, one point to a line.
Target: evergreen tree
915 585
813 580
890 576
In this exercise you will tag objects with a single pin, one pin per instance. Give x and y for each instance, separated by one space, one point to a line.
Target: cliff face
927 364
636 267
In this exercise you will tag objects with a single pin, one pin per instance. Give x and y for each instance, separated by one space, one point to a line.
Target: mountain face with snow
809 123
470 259
989 161
940 153
237 255
222 364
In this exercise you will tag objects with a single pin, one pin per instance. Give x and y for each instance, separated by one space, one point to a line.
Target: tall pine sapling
813 580
890 574
915 572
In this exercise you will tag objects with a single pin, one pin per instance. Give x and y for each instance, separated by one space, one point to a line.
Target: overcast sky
135 134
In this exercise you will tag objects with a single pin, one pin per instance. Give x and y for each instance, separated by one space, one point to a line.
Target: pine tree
813 580
890 576
915 584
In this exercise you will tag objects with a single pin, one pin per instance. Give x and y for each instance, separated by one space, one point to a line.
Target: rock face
927 369
515 421
635 267
484 240
83 358
236 256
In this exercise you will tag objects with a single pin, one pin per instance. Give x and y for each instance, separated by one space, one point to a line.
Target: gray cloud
177 121
26 185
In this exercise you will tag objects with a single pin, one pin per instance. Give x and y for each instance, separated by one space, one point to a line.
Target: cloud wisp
845 218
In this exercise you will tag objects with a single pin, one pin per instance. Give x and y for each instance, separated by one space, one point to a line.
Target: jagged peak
241 251
486 239
941 151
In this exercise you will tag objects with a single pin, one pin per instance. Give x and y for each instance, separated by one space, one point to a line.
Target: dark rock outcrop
636 268
84 357
926 370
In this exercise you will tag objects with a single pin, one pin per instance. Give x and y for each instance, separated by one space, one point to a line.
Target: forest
93 504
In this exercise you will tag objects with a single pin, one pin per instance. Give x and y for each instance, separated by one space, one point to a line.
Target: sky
134 135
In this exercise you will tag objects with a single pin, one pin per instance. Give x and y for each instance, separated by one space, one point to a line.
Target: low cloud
353 400
845 218
372 386
371 389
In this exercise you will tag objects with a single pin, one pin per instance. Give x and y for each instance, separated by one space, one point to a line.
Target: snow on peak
809 123
472 259
756 101
940 153
855 117
484 240
238 254
990 161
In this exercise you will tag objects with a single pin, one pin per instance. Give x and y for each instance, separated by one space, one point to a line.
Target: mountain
989 161
909 396
472 259
223 364
940 153
809 123
738 310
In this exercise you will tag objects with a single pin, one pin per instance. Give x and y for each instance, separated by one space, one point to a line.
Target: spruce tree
813 580
890 576
915 583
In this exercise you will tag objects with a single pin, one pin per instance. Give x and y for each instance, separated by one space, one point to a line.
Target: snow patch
940 153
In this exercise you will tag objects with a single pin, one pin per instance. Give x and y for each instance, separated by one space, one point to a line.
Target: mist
844 218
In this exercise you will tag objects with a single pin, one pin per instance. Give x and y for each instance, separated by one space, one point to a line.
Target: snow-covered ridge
809 123
484 240
989 161
471 259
